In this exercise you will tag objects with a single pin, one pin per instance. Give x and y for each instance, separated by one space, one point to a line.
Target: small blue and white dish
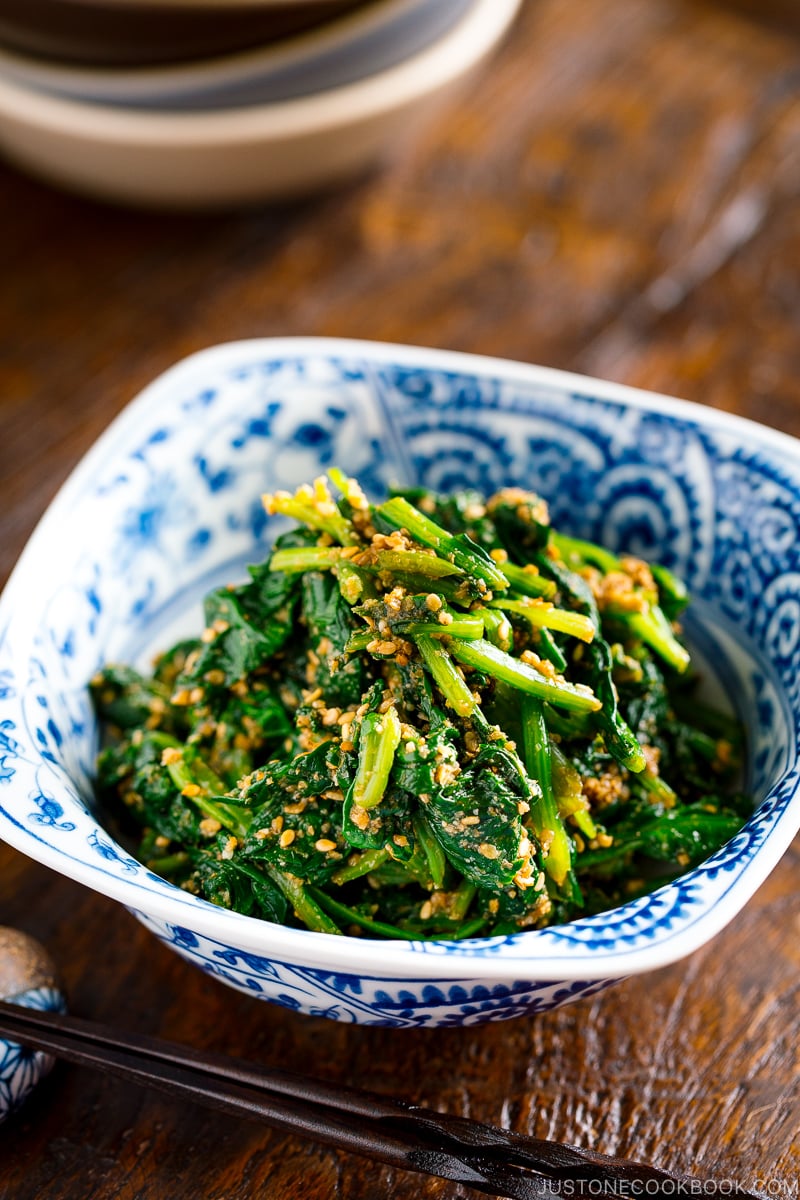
27 978
167 504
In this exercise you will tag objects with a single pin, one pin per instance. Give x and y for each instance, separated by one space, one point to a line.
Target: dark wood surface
616 194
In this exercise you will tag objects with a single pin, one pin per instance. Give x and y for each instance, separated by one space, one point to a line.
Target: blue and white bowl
167 505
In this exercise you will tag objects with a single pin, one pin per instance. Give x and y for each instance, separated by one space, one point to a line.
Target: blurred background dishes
137 32
339 51
214 155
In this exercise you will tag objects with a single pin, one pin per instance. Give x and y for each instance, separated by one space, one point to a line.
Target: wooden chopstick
484 1157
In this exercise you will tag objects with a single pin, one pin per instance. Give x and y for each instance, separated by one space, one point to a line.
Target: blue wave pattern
174 508
364 999
20 1068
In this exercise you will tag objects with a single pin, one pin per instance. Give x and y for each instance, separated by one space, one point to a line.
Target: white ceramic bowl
167 505
203 159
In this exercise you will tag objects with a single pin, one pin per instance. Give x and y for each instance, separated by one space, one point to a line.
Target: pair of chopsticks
491 1160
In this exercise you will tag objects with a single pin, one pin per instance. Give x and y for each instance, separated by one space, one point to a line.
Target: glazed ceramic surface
360 43
21 1068
167 505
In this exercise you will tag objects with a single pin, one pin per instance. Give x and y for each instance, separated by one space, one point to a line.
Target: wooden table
616 194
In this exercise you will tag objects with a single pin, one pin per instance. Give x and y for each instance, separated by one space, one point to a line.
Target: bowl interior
168 505
331 54
129 33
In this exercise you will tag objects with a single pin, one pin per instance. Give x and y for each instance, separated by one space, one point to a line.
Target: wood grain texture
616 194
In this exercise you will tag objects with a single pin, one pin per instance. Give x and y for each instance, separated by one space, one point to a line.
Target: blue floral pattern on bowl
168 504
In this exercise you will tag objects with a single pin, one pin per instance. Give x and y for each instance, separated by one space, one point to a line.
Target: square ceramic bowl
167 505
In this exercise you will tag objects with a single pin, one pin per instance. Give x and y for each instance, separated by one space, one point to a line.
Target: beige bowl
244 155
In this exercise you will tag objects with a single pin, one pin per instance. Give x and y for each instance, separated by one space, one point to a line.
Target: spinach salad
435 717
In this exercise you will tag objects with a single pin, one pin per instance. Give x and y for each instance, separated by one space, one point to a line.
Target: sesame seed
359 816
379 646
286 838
298 807
475 511
324 845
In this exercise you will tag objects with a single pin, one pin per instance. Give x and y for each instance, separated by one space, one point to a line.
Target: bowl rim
481 958
430 70
142 83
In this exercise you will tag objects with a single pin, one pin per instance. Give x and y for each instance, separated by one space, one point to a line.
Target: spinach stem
486 657
451 683
403 515
544 815
303 901
377 742
542 614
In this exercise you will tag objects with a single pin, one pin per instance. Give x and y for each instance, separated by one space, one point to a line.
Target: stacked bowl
203 103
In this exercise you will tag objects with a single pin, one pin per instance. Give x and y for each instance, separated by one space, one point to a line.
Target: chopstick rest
489 1159
28 978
